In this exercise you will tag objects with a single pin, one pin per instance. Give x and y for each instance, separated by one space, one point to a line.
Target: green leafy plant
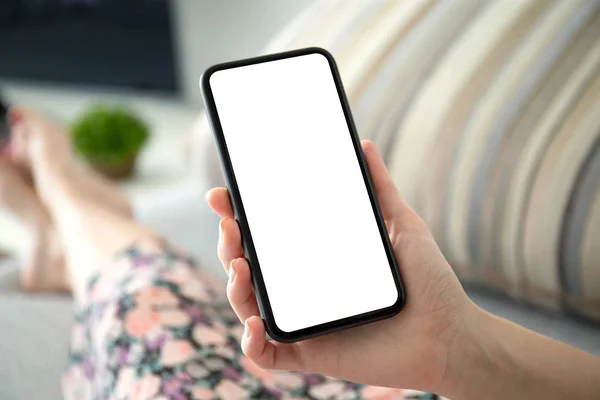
109 134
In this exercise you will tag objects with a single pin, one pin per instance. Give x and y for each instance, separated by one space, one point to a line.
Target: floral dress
156 327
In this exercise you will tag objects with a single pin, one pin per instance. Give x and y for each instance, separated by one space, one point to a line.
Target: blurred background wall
149 45
208 32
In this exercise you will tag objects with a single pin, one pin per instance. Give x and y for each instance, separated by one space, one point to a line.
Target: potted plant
110 138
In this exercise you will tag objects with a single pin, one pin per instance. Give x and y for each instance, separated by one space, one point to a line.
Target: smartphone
312 230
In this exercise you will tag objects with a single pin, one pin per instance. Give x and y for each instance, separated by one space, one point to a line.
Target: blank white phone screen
314 230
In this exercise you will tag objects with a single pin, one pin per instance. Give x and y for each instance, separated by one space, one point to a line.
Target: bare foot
92 231
36 144
44 267
36 139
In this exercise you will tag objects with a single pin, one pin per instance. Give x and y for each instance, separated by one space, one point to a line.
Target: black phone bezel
236 201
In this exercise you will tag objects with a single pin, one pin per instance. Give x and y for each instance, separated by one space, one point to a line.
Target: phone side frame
240 215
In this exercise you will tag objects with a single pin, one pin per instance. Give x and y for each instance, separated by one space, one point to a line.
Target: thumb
393 207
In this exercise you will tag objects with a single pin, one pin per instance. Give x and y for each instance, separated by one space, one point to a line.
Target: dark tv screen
107 43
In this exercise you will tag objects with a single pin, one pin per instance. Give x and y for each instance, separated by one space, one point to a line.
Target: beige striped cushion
589 299
581 281
488 114
492 220
435 187
551 188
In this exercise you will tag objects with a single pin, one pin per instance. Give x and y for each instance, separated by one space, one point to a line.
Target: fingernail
246 330
221 228
232 270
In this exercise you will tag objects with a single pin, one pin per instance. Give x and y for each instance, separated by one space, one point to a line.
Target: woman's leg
150 325
148 321
88 180
93 224
44 268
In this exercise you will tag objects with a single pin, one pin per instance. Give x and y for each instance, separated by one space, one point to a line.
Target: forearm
496 359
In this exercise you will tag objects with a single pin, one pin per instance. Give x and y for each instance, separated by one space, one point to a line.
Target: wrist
491 358
477 361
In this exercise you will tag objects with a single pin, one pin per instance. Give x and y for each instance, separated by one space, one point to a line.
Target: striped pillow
488 115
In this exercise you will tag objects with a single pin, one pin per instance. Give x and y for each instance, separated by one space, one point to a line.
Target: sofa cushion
35 332
487 115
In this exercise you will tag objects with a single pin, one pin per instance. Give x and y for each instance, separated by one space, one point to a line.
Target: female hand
410 350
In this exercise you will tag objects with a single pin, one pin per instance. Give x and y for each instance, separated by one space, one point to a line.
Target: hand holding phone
408 350
268 114
328 263
321 233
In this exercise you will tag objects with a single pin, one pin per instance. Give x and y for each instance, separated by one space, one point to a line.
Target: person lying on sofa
151 325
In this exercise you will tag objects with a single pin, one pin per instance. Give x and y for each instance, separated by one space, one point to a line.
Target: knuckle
263 361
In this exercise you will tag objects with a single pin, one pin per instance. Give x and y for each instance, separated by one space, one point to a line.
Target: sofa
487 114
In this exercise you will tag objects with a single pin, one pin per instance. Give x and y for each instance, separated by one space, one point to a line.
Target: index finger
218 200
